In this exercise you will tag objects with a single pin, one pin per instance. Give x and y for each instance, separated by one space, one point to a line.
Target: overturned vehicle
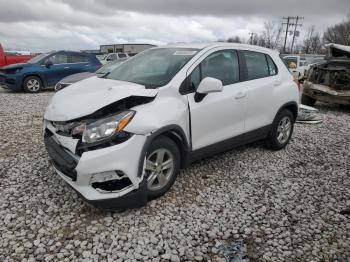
329 81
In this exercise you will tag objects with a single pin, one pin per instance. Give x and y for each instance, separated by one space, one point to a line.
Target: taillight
298 83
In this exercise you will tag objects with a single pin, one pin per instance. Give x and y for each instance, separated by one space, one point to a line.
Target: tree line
272 37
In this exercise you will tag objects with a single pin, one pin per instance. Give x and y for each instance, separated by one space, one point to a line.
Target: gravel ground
285 205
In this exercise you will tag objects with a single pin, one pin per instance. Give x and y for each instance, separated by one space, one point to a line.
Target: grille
62 160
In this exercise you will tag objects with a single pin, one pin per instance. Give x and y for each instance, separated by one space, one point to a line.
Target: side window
256 65
222 65
75 58
59 59
122 55
272 66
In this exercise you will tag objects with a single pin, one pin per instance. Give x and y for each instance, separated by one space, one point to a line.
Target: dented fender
168 108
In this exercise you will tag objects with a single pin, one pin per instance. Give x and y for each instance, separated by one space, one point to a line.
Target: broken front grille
61 159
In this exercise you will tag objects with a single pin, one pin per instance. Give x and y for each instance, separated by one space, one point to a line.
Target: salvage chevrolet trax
121 139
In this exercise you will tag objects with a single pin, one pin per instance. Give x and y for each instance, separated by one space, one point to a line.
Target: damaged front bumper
326 94
109 177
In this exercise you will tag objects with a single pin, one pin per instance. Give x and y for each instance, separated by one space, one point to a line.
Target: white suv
122 138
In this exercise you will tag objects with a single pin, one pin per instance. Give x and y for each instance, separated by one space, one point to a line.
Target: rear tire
162 166
281 130
32 84
307 100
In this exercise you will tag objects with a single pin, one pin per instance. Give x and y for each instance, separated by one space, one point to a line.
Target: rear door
263 83
217 116
79 63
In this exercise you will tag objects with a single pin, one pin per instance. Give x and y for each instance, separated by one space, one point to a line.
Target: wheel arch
33 74
291 106
173 132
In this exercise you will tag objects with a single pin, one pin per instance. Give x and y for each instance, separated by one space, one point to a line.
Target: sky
45 25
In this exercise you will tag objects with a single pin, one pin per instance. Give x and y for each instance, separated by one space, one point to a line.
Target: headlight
104 128
13 70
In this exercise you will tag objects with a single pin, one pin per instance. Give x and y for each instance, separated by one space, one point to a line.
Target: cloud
52 25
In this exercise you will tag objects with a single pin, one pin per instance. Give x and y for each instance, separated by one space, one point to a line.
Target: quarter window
195 78
271 65
256 65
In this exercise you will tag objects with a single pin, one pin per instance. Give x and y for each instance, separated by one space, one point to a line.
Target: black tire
307 100
272 141
162 143
32 84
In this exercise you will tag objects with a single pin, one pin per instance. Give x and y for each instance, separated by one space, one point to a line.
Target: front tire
32 84
162 166
281 130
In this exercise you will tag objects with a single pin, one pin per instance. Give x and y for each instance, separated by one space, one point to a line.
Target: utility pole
295 30
290 21
285 38
251 38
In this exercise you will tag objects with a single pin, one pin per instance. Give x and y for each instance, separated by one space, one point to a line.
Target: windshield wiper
103 75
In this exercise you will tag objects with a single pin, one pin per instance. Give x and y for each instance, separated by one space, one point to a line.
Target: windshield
109 67
37 58
154 67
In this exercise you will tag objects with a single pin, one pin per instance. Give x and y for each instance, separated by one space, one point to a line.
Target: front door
58 69
217 116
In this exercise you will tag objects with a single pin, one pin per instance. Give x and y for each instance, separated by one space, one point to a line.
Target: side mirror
209 85
48 63
108 59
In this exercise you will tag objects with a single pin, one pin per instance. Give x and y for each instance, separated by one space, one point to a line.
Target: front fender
168 108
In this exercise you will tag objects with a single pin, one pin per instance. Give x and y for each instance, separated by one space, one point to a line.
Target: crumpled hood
89 95
13 66
338 51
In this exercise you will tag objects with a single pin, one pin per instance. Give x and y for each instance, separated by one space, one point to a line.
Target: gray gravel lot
285 205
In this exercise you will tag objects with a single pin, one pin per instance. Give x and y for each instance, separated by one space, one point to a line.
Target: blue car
45 70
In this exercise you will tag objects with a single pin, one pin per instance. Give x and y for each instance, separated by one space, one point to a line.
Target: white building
131 49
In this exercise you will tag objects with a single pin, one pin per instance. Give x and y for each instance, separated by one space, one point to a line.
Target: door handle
240 95
66 67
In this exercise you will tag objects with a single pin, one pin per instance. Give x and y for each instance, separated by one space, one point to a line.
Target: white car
122 139
114 56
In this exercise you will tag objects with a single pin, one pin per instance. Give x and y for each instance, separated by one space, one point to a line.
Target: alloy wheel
284 129
159 168
33 85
